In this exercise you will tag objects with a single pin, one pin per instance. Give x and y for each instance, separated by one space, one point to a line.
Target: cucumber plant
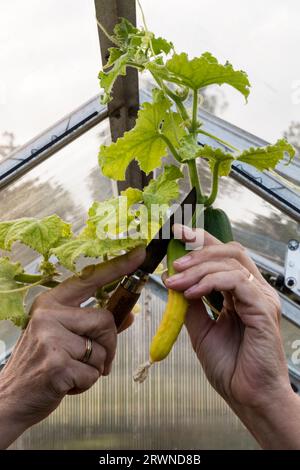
168 124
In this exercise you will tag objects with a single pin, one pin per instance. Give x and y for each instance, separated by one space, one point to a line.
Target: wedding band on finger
88 350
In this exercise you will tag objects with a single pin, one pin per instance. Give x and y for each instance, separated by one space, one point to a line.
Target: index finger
75 290
197 237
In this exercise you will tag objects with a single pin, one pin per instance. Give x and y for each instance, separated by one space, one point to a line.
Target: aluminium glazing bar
50 141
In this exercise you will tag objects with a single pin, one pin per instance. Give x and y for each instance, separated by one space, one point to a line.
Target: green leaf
107 79
189 148
39 234
144 142
12 304
217 156
68 253
163 189
123 31
200 72
133 196
114 54
266 158
160 45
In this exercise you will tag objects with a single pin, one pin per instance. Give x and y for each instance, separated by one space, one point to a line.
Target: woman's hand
242 352
47 362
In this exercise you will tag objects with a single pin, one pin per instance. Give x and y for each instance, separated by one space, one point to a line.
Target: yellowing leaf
266 158
39 234
111 216
68 253
143 143
11 304
200 72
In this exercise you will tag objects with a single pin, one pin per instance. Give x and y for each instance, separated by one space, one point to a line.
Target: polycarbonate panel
256 223
175 408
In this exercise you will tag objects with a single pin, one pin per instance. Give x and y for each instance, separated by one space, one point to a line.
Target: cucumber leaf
135 47
12 304
70 251
217 156
163 189
189 148
143 143
114 54
107 79
160 45
39 234
200 72
262 158
133 196
266 158
123 32
114 215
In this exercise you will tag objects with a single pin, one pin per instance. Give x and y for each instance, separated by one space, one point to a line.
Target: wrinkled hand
47 361
241 353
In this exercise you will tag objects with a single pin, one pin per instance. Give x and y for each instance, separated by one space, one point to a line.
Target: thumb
75 290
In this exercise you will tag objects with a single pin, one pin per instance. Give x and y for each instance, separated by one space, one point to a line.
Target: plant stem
174 97
28 278
34 278
195 112
177 101
171 147
194 178
227 144
215 184
21 289
106 33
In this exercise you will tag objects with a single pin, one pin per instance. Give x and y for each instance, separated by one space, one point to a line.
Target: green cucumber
176 249
217 224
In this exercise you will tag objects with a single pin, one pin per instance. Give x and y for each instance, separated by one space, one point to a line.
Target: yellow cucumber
170 326
172 320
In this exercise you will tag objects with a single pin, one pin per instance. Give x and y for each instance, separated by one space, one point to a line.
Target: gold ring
251 277
88 350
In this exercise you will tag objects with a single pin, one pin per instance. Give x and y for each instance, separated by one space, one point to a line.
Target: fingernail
87 272
184 260
181 231
191 290
173 279
189 234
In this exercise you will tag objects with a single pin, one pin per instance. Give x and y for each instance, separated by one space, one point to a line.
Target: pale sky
49 57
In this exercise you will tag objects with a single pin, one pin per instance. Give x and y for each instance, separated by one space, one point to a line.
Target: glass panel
50 58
